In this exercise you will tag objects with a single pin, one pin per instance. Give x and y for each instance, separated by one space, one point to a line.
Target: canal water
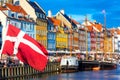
82 75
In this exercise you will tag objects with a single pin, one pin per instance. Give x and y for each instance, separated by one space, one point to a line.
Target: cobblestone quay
17 71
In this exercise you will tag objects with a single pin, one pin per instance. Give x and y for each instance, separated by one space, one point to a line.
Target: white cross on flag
26 48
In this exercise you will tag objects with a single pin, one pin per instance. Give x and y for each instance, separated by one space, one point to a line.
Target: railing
17 71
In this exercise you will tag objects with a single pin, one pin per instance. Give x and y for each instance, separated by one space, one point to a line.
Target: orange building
99 37
75 37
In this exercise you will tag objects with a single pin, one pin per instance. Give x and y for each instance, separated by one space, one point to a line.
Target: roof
75 22
98 26
56 22
118 31
3 8
90 25
15 8
69 19
112 31
36 7
90 28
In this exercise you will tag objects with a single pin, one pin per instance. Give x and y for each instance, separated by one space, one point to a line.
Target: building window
12 15
37 14
24 26
43 16
40 15
31 27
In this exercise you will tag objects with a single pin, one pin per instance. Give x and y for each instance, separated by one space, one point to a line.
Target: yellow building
66 22
61 41
39 16
41 35
108 43
61 16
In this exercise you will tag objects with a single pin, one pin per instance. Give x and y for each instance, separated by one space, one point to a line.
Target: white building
12 14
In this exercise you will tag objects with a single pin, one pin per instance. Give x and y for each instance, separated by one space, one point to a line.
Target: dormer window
20 15
12 15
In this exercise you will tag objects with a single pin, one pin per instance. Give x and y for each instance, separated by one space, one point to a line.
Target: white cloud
81 18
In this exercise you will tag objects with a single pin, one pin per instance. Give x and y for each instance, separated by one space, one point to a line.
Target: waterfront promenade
11 67
14 71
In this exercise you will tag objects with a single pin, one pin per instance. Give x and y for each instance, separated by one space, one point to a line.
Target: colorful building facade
58 33
82 40
15 15
39 16
60 38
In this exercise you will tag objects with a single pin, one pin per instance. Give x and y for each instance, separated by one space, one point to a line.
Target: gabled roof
90 28
56 22
112 31
90 25
98 26
87 23
118 31
68 18
36 7
3 8
15 8
75 22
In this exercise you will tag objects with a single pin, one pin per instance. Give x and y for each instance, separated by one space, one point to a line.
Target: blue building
38 14
51 36
89 42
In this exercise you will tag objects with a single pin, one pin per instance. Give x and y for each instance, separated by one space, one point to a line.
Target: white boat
69 63
118 63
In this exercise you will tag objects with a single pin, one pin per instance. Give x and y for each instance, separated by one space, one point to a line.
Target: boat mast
71 37
105 34
86 38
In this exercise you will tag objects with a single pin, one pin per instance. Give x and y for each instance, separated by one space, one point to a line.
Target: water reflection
85 75
34 77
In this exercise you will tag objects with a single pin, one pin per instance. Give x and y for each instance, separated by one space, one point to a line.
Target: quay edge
22 70
18 71
90 65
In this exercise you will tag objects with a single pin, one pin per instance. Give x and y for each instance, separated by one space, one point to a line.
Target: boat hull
69 64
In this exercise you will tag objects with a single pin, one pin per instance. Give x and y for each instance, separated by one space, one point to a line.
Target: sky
95 10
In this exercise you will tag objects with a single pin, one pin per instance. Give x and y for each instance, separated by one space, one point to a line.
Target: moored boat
96 68
69 64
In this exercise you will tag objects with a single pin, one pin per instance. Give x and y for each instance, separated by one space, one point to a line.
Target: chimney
62 11
49 13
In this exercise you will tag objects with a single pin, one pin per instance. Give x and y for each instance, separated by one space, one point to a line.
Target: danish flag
25 47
